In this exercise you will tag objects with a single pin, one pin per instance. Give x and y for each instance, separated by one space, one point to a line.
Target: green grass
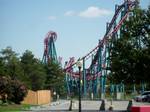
13 107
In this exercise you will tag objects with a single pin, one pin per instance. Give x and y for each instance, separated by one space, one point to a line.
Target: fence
37 97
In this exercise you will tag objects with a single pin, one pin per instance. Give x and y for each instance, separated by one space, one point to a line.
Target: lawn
13 107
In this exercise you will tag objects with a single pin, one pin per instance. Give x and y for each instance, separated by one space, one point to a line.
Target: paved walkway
87 106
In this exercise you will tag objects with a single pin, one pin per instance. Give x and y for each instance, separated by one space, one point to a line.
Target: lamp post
54 95
79 64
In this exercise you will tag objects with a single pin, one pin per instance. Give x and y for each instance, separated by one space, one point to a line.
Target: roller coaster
93 78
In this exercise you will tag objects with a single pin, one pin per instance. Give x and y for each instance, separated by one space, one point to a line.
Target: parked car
144 97
148 98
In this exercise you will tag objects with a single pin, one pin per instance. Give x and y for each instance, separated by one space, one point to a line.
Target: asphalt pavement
87 106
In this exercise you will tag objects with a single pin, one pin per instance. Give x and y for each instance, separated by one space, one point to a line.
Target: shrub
4 88
12 90
18 92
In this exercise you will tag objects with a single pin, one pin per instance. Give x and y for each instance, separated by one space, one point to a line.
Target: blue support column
67 82
92 81
99 68
103 87
123 89
105 77
112 90
143 88
102 91
134 89
84 77
99 60
117 90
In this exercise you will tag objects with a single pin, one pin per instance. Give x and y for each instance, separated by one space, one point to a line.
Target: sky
79 24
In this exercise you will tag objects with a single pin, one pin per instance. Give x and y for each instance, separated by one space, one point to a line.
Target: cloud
52 17
94 12
69 13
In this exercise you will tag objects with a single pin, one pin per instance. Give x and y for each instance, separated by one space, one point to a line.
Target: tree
130 56
9 63
54 78
2 67
33 71
28 70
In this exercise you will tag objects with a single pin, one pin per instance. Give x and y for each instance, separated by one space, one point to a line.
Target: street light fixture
79 64
54 93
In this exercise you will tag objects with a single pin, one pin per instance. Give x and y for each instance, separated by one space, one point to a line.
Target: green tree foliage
10 74
2 68
15 72
55 78
9 63
130 57
33 71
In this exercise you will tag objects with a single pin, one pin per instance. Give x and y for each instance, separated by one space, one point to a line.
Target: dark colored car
148 98
144 97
